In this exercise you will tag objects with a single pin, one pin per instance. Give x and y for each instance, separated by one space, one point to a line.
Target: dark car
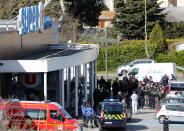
111 114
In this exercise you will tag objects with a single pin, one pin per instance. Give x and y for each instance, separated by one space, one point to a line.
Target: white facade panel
51 64
7 66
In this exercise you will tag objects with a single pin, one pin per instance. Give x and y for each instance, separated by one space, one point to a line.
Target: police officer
115 88
152 99
89 115
166 123
102 82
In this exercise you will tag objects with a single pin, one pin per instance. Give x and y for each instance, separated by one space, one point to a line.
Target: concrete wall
10 43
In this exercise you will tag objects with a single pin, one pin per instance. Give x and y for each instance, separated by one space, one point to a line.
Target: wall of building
10 43
109 4
108 23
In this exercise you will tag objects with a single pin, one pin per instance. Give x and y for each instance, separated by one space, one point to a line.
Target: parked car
36 115
111 114
175 111
124 69
175 86
171 100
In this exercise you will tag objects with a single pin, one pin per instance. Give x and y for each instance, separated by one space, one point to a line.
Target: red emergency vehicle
38 116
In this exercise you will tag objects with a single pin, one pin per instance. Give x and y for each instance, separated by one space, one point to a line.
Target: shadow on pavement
135 120
136 127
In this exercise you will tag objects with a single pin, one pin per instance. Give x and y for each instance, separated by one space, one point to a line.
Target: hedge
119 55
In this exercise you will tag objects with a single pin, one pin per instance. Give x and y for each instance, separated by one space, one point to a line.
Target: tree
157 43
86 11
10 8
130 17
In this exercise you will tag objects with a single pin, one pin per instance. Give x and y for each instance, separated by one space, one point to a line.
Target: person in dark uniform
146 80
115 88
152 99
102 82
166 123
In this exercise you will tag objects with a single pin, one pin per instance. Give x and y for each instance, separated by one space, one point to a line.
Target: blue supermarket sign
31 19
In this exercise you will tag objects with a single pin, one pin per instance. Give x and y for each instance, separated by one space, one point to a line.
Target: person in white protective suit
134 102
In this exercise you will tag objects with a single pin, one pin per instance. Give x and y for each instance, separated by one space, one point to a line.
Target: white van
155 70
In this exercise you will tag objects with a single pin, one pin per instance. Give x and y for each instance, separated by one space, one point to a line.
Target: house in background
174 10
106 18
171 3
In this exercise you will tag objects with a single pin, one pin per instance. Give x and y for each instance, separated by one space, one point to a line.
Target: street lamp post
106 55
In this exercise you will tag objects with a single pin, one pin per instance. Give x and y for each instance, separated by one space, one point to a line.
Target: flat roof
55 57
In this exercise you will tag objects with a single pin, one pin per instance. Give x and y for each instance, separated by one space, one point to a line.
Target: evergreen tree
129 18
157 43
86 11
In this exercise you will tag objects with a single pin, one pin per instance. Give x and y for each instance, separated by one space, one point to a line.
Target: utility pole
106 54
146 35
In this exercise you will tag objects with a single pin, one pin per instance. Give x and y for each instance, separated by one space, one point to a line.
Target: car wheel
160 119
124 72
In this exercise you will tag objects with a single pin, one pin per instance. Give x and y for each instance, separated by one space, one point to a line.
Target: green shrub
157 43
174 30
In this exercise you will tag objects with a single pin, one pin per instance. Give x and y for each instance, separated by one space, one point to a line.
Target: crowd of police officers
149 92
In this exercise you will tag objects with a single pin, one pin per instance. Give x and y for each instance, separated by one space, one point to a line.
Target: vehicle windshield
134 71
65 113
113 109
177 87
129 63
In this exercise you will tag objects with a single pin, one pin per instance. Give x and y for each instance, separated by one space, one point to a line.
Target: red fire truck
37 116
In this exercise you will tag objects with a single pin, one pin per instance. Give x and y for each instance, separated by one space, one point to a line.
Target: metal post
76 90
85 80
62 89
68 87
45 86
106 54
95 74
92 82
